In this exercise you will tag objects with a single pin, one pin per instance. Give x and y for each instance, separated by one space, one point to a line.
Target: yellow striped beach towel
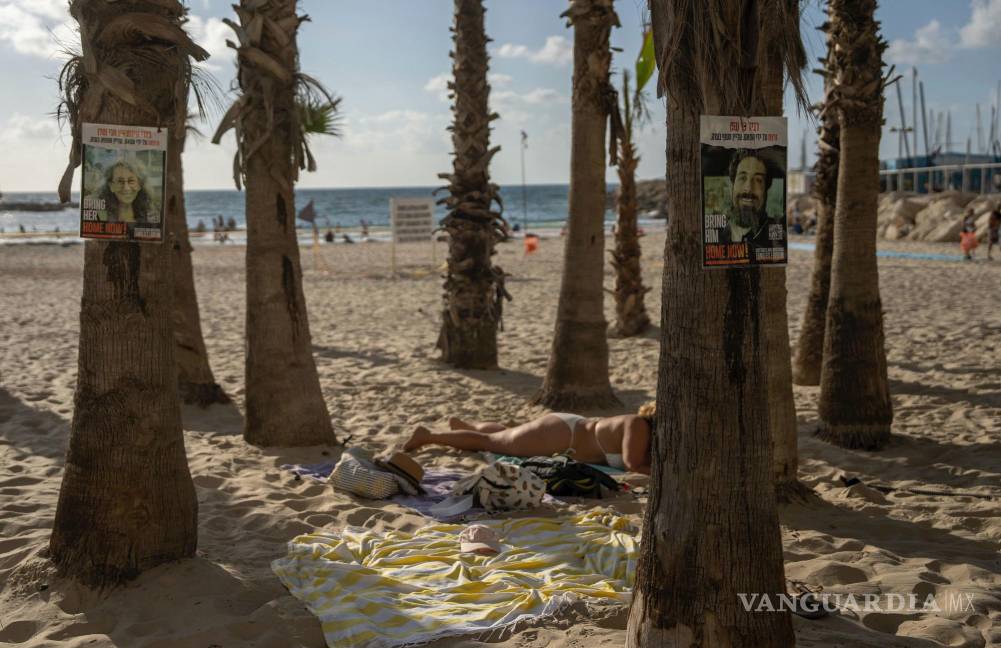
396 589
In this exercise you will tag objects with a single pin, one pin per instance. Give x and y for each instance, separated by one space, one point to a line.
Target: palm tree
474 288
195 380
284 402
854 407
577 375
127 502
630 311
712 502
810 348
781 404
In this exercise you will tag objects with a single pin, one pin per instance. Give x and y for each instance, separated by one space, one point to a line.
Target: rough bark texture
474 288
712 502
127 502
577 374
810 347
855 408
195 381
284 403
782 405
630 310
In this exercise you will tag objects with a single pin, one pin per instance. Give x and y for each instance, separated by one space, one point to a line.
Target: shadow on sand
36 431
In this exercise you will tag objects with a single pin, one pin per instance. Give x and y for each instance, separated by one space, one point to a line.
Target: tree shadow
516 382
526 385
374 358
948 394
937 367
38 432
873 526
907 459
220 419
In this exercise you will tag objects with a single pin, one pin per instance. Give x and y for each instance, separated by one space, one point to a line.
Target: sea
541 208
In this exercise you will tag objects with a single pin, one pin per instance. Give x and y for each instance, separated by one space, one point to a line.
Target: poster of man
743 191
124 173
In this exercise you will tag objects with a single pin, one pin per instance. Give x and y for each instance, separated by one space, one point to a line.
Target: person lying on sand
618 441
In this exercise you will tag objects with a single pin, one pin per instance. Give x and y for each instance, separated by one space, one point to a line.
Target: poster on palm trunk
743 191
123 180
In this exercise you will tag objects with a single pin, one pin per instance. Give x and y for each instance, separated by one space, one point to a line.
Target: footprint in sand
23 480
18 632
207 481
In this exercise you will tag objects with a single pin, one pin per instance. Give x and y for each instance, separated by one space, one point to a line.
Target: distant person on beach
231 224
364 228
21 228
993 230
617 441
347 239
200 227
124 194
329 236
970 221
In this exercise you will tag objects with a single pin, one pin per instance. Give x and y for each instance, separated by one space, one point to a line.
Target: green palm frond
319 116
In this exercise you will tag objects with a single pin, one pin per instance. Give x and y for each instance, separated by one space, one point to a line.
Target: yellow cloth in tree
395 589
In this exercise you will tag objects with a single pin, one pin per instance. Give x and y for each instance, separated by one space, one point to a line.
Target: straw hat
406 471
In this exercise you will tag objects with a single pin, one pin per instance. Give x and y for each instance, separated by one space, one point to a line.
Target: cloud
542 96
556 51
438 86
929 45
211 34
408 131
984 25
20 128
499 80
40 28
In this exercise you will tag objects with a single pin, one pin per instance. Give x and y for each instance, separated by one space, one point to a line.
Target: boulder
947 231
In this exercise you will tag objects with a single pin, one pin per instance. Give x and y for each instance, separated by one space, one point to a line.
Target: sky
389 61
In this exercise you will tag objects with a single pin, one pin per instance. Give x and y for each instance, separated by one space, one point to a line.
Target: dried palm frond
111 36
698 47
268 61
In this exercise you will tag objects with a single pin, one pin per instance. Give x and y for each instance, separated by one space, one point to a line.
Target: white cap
477 538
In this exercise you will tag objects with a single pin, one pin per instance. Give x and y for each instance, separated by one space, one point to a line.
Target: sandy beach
374 341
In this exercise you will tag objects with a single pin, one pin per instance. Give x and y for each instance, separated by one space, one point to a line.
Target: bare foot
420 437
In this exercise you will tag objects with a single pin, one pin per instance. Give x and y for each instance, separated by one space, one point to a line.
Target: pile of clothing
499 486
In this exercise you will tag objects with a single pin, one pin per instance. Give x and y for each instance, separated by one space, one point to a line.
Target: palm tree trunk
284 402
810 348
712 502
127 502
855 408
781 402
577 374
195 381
630 310
473 286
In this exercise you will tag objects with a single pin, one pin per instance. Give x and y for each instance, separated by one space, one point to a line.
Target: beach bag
568 478
502 487
355 473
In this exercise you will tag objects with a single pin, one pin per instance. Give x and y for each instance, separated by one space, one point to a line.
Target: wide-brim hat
403 467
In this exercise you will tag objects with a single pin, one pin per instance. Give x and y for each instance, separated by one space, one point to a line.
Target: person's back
993 231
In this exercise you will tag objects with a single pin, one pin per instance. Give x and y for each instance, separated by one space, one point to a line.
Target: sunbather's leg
456 423
543 436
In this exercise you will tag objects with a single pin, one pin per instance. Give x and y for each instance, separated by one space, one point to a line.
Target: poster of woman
743 191
124 173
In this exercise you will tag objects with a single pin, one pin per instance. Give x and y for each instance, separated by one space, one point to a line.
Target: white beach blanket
396 589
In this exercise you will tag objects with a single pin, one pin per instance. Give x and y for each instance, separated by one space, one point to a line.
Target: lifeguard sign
412 221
